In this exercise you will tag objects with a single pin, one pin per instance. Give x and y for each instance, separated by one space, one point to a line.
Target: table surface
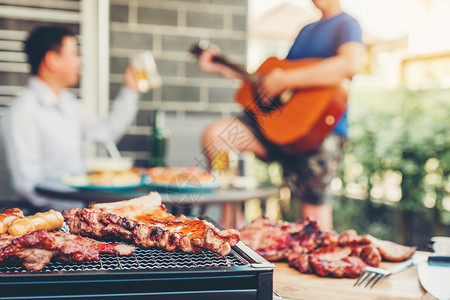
57 189
290 283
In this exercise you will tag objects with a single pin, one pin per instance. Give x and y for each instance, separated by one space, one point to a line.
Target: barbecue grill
149 274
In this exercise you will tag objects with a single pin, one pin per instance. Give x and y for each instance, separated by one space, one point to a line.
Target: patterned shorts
308 175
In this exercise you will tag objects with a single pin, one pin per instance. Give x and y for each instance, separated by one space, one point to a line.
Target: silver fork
374 275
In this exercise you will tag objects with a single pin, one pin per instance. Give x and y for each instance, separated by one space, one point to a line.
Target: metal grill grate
142 259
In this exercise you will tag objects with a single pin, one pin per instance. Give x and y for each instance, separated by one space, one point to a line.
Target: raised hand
130 78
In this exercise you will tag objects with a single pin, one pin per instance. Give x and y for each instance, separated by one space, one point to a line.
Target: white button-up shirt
43 134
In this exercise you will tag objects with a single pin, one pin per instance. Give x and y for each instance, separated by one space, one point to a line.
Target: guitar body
301 123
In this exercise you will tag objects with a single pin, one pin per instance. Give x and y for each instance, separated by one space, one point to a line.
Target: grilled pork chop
36 249
146 222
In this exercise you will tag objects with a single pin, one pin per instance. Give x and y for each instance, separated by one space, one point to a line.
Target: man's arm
329 71
120 117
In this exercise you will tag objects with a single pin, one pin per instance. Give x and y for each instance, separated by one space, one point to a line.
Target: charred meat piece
303 261
147 223
326 253
272 240
351 266
393 252
300 261
351 237
368 253
269 241
36 249
311 237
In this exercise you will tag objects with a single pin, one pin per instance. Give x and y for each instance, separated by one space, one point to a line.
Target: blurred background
394 182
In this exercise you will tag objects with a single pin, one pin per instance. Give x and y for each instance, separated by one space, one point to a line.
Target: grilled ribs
36 249
147 223
325 253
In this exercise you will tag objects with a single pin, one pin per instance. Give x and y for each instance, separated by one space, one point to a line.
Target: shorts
308 175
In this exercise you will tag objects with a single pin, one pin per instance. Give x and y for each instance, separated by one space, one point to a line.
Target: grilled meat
311 250
147 223
323 261
368 253
272 243
36 249
350 266
393 252
311 237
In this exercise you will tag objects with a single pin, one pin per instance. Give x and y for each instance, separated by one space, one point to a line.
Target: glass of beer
220 161
146 72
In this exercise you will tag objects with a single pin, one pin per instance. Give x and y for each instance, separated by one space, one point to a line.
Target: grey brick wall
191 98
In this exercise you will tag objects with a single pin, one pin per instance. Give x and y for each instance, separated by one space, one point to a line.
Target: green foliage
399 134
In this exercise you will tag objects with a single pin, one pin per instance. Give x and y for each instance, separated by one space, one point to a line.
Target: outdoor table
175 200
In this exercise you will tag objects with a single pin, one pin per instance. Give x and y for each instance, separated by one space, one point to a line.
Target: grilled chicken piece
36 249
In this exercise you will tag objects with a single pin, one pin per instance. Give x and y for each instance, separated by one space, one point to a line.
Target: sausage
49 220
8 216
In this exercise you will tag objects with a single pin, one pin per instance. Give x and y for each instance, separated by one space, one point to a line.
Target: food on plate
50 220
325 253
7 216
113 178
180 176
36 249
146 222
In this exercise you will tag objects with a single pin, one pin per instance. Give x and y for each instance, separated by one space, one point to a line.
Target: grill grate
142 259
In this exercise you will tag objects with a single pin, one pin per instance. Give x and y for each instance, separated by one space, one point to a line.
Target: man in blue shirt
336 38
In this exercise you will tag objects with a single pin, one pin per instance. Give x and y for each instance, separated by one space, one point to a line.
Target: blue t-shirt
322 39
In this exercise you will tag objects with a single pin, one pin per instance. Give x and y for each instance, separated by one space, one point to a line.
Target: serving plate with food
106 174
180 179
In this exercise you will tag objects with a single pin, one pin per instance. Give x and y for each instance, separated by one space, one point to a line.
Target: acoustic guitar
298 120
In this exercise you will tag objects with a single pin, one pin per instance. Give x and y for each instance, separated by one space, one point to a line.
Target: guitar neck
235 67
197 50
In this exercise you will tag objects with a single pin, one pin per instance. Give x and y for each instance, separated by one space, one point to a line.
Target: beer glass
146 72
220 161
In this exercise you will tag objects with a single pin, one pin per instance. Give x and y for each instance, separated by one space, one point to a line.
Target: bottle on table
159 139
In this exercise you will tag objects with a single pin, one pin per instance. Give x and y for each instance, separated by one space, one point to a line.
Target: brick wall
192 99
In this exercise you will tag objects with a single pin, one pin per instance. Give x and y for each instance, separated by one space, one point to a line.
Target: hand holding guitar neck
210 60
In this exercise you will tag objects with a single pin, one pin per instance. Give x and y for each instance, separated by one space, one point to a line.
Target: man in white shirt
44 128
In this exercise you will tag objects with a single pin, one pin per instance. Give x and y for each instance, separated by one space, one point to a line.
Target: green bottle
159 138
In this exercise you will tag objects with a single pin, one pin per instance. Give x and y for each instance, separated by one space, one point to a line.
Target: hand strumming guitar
271 85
